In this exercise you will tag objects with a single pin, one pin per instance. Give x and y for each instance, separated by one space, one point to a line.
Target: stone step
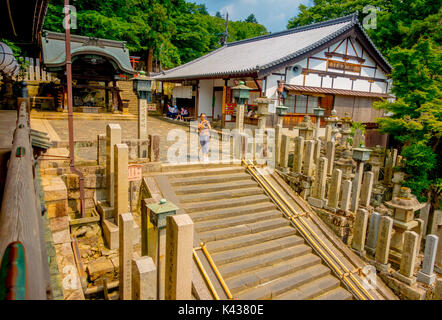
311 289
249 280
189 181
198 172
278 287
243 229
232 212
264 260
238 220
212 187
336 294
237 254
218 204
250 239
227 195
168 167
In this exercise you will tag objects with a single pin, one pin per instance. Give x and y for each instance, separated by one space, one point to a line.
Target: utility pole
226 31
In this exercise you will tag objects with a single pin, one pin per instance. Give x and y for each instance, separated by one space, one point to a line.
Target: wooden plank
19 217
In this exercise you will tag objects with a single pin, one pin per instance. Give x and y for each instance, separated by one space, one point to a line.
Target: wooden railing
20 216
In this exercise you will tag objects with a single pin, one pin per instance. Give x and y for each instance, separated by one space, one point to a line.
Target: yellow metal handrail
215 269
342 275
205 276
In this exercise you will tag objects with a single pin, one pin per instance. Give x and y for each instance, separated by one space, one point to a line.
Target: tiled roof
290 87
258 56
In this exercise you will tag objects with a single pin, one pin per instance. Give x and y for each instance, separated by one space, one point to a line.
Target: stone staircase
127 93
259 254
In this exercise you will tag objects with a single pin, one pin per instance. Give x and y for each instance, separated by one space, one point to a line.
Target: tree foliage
408 33
178 31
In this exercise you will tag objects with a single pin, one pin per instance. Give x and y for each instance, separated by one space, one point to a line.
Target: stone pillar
278 133
408 260
328 133
317 153
360 231
154 148
284 151
179 246
330 152
308 161
425 215
356 187
426 274
334 190
142 127
438 266
346 195
357 138
372 236
436 222
240 117
318 197
144 279
101 149
113 137
126 226
383 243
121 183
388 170
367 188
299 154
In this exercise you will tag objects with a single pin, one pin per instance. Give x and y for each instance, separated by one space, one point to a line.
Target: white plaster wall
205 97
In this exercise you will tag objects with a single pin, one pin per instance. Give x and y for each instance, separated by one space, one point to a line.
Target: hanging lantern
8 64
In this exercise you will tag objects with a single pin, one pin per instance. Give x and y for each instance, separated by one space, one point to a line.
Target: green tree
251 19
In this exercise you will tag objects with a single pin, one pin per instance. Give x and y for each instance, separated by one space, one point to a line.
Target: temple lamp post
319 113
143 88
241 93
360 155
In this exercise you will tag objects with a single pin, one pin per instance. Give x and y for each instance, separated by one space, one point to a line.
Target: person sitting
184 114
169 111
251 113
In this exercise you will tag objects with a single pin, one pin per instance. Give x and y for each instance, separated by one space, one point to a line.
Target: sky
273 14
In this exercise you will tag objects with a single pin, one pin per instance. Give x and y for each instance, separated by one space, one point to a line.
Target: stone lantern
263 111
319 113
404 207
306 128
333 121
346 164
241 93
345 129
143 88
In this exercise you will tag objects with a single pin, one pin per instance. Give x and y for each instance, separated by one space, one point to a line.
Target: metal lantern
361 154
241 93
160 211
281 110
143 86
319 112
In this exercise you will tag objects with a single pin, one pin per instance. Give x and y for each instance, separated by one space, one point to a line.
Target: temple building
331 64
97 65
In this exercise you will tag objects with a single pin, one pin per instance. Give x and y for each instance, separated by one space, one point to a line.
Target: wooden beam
336 74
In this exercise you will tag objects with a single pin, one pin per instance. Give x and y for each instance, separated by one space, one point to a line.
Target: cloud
273 14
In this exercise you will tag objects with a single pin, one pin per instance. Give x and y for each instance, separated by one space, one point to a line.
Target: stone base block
425 278
359 253
334 210
111 234
105 211
57 208
410 281
370 251
385 268
318 203
438 269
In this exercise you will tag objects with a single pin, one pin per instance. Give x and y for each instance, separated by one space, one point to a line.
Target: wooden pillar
106 95
197 99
